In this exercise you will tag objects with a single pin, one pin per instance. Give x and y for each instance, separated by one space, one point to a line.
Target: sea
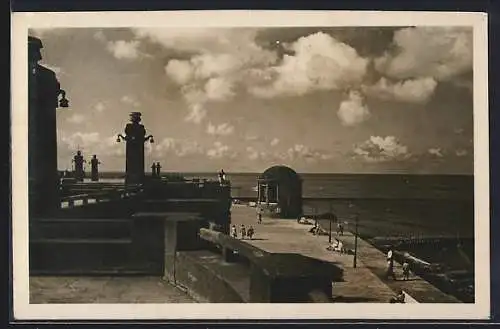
386 204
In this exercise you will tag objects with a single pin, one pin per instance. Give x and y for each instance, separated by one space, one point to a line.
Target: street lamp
355 241
330 233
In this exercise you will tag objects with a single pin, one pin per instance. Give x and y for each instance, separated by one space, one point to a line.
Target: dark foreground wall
209 279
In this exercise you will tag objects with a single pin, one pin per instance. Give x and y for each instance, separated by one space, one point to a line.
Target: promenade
365 283
83 290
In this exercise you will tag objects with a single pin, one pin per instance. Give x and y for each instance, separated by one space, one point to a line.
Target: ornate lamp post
135 137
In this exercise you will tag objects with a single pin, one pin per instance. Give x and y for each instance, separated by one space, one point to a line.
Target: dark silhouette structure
280 192
94 164
158 169
153 170
135 136
44 92
79 171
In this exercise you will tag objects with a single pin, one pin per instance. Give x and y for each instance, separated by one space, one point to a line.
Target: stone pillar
44 91
94 162
267 193
258 192
79 171
135 136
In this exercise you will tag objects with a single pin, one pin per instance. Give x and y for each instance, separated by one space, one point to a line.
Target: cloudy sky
358 99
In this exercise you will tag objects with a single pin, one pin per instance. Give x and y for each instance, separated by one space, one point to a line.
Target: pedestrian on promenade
399 298
234 233
243 231
259 215
222 177
390 264
250 232
340 229
340 247
406 270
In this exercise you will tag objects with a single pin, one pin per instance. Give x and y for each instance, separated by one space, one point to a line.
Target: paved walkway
84 290
362 284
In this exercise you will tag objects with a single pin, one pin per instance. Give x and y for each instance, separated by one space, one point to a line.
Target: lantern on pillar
135 137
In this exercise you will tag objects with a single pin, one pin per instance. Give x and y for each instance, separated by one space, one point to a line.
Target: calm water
387 205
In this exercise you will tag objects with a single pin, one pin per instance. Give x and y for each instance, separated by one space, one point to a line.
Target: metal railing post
355 242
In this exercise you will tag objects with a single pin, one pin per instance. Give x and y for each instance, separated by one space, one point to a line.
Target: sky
325 99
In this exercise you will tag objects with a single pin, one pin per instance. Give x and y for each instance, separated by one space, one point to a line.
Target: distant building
279 192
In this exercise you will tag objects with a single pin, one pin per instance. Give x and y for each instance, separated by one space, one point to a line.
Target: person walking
399 298
390 264
406 270
234 232
222 177
340 229
250 232
243 231
259 215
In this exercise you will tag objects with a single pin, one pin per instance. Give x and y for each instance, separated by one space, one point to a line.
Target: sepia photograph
335 164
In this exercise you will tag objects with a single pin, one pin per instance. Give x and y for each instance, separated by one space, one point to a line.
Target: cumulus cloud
76 118
381 149
221 56
219 89
254 154
99 36
200 40
438 52
353 110
275 141
179 71
100 107
80 139
223 129
88 143
226 59
436 151
417 90
196 114
319 62
219 150
303 152
122 49
109 146
130 101
179 147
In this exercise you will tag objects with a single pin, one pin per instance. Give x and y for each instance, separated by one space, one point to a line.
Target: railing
83 199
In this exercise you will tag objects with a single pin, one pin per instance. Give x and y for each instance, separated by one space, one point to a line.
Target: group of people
244 232
390 267
156 169
336 245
